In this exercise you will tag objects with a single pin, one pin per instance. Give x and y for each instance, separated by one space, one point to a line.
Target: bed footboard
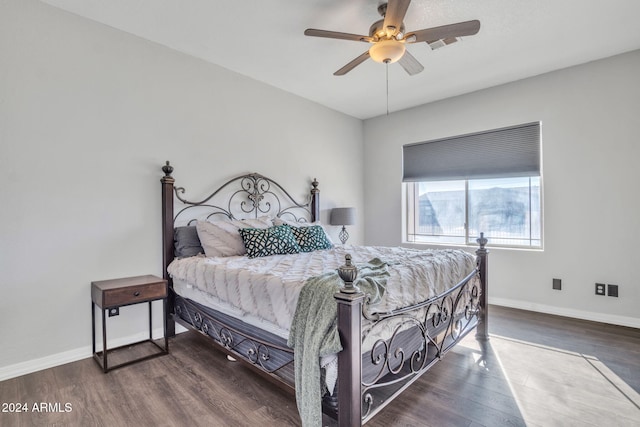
366 384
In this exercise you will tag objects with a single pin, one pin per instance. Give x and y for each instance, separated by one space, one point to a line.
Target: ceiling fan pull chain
387 73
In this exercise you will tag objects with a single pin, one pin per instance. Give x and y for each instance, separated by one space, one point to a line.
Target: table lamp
343 217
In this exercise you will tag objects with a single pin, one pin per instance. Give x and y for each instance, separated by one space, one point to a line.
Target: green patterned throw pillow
277 240
311 238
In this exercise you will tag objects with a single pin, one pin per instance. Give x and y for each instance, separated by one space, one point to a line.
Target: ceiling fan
389 39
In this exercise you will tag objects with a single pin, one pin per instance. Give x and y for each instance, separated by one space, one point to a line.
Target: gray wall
589 116
88 115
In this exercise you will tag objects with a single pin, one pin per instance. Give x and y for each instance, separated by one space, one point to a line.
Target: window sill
424 245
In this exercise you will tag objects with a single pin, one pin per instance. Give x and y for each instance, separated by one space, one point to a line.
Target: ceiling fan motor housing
377 29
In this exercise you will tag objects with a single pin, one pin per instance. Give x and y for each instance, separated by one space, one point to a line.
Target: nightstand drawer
129 290
134 294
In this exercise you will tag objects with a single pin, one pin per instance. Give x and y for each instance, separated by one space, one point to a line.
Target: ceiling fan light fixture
387 51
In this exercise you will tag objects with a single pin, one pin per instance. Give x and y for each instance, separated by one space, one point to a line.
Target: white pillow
222 238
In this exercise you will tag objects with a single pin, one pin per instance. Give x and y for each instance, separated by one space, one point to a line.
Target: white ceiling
263 39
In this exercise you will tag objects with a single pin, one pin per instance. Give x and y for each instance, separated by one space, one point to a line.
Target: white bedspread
264 291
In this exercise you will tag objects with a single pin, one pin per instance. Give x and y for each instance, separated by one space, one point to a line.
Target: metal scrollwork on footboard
420 335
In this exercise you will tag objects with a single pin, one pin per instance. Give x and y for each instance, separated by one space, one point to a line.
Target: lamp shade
343 216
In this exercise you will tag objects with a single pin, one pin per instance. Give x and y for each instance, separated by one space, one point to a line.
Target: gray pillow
186 242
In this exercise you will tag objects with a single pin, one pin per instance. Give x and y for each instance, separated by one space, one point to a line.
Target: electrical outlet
600 289
114 311
557 284
612 290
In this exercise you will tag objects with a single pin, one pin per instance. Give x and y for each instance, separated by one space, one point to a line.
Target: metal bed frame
437 324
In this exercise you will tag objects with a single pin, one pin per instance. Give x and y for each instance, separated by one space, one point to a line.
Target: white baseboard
632 322
46 362
69 356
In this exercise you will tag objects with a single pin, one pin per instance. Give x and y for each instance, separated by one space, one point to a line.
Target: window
484 182
507 210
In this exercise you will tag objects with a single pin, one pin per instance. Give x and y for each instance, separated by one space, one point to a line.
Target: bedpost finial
482 241
167 169
348 273
167 178
314 184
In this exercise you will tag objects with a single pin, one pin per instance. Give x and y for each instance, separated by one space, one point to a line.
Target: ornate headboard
249 195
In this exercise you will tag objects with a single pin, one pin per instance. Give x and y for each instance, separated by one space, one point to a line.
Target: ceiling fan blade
437 44
429 35
396 10
336 35
410 64
353 64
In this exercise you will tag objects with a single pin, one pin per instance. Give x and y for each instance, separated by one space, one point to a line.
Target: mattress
264 291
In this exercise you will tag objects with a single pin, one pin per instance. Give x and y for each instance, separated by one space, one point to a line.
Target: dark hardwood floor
541 370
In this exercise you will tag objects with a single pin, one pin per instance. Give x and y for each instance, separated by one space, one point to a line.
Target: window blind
500 153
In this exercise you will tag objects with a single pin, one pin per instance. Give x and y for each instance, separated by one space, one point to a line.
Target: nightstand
110 295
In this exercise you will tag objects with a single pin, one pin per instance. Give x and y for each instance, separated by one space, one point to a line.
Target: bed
381 317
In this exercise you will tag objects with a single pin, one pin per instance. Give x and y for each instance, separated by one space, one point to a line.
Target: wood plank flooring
541 370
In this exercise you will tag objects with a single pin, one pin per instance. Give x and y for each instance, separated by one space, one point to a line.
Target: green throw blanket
314 331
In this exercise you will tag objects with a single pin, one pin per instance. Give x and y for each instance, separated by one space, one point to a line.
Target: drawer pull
136 294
